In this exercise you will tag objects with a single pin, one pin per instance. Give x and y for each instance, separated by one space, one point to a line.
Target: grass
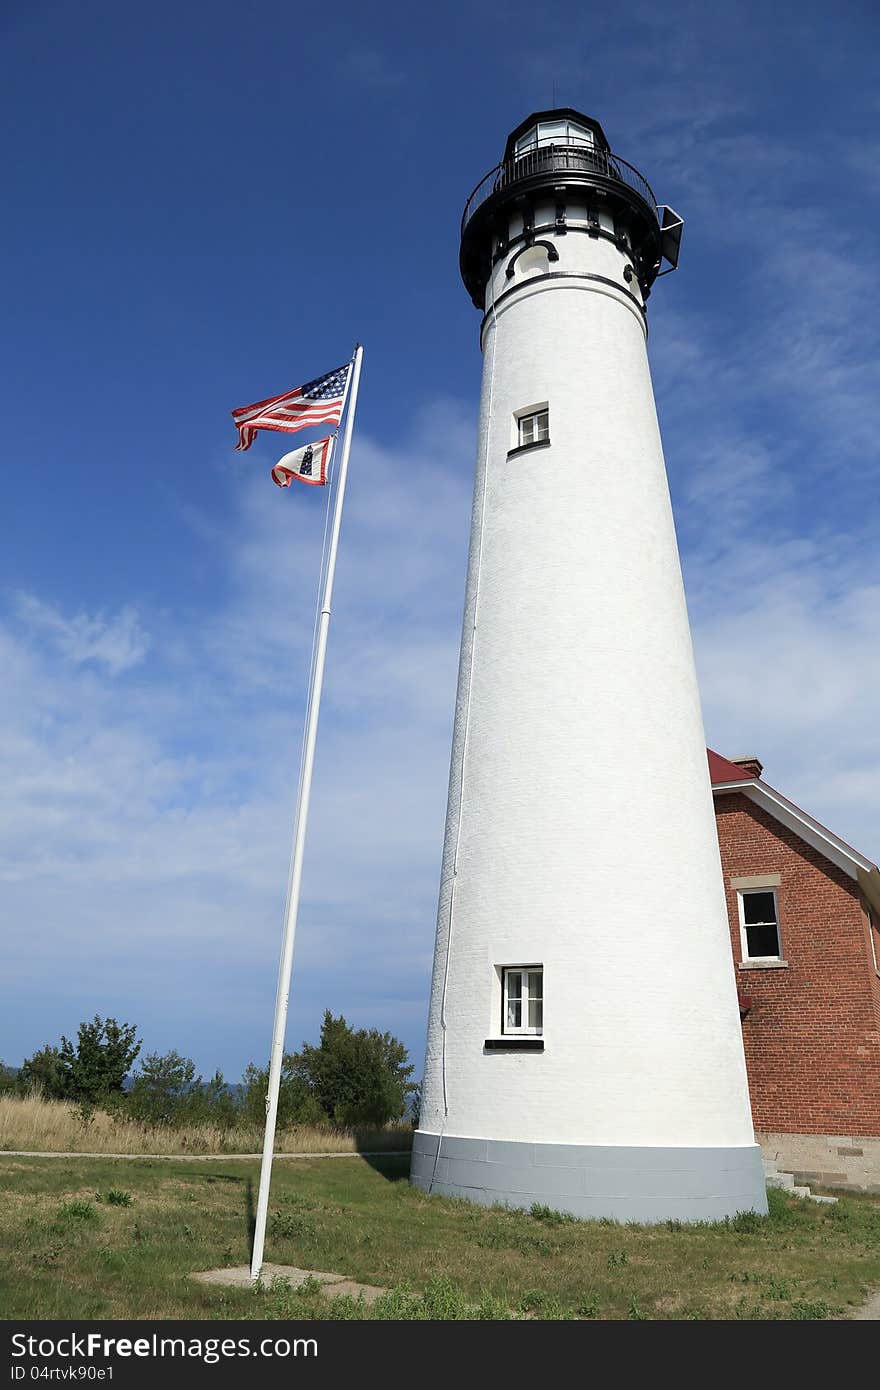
73 1252
57 1126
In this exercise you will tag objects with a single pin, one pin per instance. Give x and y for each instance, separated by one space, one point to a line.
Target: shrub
296 1104
43 1073
549 1215
97 1066
161 1090
77 1212
357 1077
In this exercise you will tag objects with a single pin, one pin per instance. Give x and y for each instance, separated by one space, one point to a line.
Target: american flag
319 402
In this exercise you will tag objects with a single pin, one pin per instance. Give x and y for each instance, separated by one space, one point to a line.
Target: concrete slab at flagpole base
590 1181
335 1285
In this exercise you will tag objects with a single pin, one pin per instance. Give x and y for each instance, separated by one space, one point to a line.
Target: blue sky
207 204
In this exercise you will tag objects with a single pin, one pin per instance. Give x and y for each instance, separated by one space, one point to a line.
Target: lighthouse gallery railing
558 159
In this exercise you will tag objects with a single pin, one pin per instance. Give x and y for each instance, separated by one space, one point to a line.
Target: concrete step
786 1183
783 1180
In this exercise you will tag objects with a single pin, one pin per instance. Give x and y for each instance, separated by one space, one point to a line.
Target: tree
415 1104
357 1077
162 1088
44 1073
97 1067
296 1104
8 1080
218 1104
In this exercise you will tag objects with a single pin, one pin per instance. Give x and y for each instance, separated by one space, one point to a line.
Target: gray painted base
594 1180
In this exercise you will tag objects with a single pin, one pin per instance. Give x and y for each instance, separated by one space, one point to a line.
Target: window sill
762 965
514 1044
527 448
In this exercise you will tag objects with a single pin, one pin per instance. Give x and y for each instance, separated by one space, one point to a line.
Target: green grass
109 1238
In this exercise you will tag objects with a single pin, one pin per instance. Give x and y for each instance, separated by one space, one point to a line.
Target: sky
209 204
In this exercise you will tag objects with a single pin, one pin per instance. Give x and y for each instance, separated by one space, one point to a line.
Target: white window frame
873 932
741 895
572 134
523 971
534 417
581 135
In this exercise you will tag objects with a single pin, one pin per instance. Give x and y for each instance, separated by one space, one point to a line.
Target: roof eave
870 886
821 839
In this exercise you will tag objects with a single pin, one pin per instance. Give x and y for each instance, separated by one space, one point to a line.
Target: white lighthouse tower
584 1046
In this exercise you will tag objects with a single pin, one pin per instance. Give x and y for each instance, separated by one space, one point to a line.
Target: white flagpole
302 813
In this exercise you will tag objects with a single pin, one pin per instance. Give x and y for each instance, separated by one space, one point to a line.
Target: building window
759 925
523 999
533 429
873 933
554 133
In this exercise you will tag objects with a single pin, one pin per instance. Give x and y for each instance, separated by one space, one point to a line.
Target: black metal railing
552 159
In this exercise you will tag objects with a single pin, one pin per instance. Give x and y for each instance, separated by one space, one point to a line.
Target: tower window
554 133
533 429
522 1002
759 925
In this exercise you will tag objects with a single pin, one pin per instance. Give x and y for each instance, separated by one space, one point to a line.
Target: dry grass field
116 1238
56 1126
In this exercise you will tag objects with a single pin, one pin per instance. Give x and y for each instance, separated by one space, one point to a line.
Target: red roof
720 770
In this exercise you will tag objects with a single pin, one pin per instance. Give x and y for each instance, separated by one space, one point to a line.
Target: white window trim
573 133
873 933
524 1030
530 412
743 893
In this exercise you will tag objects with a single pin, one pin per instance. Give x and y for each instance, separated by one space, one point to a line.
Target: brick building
804 911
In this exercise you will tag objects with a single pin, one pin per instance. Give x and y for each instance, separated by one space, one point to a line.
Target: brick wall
812 1033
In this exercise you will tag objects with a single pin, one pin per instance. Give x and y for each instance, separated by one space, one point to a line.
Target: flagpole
302 813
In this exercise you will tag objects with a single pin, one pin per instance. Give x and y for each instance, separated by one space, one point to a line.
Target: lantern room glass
553 133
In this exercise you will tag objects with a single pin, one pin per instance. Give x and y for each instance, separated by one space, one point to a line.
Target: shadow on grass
392 1167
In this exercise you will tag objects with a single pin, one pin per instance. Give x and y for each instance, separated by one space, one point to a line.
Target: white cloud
787 636
145 835
117 643
145 838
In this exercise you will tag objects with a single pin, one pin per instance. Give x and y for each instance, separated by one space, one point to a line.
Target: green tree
44 1073
296 1103
96 1068
357 1076
415 1104
218 1104
8 1080
162 1089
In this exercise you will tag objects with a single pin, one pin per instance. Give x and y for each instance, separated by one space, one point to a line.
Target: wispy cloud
373 68
115 643
145 838
150 757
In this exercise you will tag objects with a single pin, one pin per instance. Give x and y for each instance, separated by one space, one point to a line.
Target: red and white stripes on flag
319 402
309 464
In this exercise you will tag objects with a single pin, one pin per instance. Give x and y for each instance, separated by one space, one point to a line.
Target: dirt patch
871 1309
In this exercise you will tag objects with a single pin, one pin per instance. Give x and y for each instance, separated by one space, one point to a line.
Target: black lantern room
555 156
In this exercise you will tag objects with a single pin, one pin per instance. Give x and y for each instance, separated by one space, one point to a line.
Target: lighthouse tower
584 1047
